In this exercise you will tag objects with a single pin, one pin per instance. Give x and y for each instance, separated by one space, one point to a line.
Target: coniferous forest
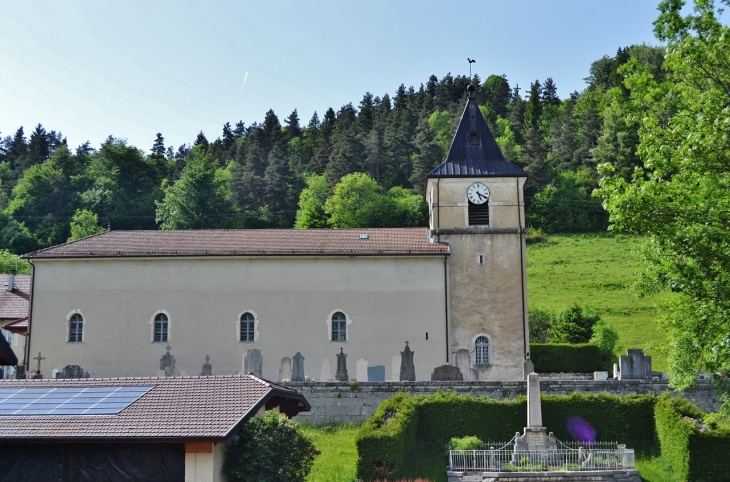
362 165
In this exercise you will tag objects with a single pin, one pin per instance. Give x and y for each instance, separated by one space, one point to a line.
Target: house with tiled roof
119 429
326 304
14 301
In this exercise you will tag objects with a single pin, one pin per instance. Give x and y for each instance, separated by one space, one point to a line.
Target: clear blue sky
133 68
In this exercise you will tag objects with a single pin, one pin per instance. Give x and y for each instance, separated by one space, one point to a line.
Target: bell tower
476 206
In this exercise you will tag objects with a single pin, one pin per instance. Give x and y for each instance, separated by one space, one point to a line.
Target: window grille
76 328
481 350
247 327
478 214
161 328
339 327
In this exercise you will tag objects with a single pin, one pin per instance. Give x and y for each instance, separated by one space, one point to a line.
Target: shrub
541 324
567 358
469 442
574 324
695 451
269 449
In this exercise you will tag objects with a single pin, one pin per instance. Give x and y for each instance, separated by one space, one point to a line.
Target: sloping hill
596 270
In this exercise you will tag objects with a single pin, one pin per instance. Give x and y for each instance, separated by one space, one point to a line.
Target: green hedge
569 358
695 454
408 436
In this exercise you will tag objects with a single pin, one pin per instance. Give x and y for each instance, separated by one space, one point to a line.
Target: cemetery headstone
253 363
207 367
285 370
634 365
341 375
463 362
167 359
376 373
362 370
326 371
407 369
72 371
447 373
297 374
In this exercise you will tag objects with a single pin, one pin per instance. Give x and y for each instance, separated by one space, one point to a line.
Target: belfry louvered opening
478 214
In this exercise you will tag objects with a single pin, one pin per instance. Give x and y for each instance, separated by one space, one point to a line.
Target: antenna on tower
471 61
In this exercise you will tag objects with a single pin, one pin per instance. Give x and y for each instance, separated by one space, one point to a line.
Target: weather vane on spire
471 61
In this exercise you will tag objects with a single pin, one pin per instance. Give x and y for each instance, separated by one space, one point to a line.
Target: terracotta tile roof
176 408
249 242
18 326
14 305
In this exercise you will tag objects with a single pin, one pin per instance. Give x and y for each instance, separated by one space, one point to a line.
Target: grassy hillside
596 270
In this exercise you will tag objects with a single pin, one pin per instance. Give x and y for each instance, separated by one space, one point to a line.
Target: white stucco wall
389 300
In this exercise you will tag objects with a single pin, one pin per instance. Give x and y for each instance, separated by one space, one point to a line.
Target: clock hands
481 195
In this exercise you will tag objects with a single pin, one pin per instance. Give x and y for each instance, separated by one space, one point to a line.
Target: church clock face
478 193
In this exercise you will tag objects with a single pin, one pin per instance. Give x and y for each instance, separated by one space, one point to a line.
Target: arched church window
339 326
76 328
162 328
481 350
247 327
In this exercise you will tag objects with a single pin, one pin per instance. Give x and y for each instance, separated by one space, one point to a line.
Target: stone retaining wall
356 402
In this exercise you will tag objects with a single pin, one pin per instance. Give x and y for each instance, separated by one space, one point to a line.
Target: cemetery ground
338 461
592 269
596 270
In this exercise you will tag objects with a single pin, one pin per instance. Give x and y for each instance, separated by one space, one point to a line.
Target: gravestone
362 370
447 373
253 362
167 359
341 375
634 365
207 367
407 369
285 371
297 372
395 368
172 371
326 371
463 362
72 371
376 373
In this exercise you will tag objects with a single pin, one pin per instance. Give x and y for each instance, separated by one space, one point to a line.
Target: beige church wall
388 300
454 205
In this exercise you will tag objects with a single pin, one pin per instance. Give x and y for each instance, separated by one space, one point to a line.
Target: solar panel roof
68 401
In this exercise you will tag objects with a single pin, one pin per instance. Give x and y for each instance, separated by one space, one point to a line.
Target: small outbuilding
120 429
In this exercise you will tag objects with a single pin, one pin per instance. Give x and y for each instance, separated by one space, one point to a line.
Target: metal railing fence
568 457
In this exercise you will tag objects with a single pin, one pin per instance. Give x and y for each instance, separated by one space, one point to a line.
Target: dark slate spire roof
474 152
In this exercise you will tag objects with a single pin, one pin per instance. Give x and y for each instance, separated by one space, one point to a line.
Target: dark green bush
695 451
574 324
408 437
567 358
269 449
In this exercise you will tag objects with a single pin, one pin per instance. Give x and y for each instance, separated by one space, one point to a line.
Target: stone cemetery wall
357 401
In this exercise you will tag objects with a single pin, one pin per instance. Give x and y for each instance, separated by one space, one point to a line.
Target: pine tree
292 126
280 192
201 140
39 147
240 130
496 94
550 93
228 137
533 109
428 156
158 148
17 151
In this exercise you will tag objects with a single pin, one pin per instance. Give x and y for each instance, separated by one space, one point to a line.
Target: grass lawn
596 270
338 461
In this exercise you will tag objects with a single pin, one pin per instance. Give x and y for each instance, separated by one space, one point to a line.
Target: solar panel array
68 401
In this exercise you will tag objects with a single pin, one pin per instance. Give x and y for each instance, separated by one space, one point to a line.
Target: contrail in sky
242 84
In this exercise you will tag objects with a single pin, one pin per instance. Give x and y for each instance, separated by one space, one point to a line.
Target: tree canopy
677 189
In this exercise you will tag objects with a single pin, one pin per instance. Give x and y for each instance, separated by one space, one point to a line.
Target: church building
296 304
